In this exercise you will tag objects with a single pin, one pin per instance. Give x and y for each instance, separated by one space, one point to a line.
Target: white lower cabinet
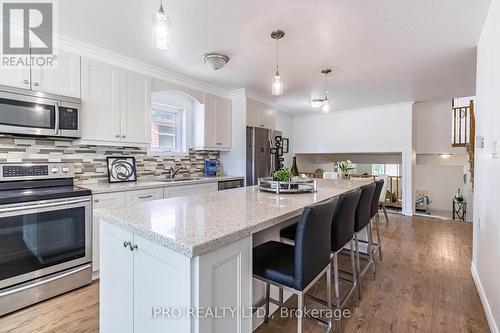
138 279
142 289
116 296
178 191
105 200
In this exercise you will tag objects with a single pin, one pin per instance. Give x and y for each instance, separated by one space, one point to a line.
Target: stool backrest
343 219
379 185
364 207
312 242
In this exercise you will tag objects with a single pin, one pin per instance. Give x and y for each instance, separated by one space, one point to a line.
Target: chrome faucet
173 171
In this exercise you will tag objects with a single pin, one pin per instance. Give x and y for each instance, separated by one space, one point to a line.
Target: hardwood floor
423 284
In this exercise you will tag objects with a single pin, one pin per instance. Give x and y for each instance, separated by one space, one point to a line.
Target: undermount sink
175 180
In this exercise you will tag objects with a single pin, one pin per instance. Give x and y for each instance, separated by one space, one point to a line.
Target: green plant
282 175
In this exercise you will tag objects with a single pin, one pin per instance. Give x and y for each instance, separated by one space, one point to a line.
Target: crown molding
253 95
113 58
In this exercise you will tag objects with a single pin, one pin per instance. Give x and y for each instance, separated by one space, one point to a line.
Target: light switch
479 141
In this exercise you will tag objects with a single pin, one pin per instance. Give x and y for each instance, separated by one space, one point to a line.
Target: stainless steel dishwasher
228 184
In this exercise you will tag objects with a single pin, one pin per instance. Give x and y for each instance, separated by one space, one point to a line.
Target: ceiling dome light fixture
277 84
215 60
325 107
161 29
316 103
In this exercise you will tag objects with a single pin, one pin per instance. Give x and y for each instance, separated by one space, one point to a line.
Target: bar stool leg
354 273
300 311
377 226
358 268
370 249
337 291
385 213
329 293
268 289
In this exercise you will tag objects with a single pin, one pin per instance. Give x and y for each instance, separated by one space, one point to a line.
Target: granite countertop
147 184
197 224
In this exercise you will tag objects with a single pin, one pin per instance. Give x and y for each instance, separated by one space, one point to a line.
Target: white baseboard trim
484 300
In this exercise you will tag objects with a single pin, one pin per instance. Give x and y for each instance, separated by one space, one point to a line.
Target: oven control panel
35 171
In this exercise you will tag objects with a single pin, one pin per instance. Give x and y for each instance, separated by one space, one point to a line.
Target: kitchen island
185 264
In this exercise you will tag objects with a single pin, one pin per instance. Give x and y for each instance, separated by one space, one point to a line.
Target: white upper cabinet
18 77
61 79
135 108
224 123
213 124
100 102
260 115
115 105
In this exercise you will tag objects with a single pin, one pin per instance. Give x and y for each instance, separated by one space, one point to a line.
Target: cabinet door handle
125 244
117 136
35 84
96 200
133 247
123 136
146 196
26 81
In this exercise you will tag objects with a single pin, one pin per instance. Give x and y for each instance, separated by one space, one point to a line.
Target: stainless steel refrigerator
260 162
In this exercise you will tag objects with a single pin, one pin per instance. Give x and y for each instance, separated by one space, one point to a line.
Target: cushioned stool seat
274 261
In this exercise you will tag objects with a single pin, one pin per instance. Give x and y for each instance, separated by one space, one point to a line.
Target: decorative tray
299 185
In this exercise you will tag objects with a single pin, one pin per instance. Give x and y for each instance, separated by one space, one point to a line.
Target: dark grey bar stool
342 233
363 221
297 268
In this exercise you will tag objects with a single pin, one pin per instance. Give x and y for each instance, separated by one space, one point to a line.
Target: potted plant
283 175
343 168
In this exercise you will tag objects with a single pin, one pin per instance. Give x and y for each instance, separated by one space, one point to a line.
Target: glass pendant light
161 29
277 84
325 107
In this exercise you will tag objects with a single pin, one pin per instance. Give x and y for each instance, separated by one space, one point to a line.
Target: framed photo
284 143
121 169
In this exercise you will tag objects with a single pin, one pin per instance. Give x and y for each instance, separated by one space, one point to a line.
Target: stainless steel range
45 233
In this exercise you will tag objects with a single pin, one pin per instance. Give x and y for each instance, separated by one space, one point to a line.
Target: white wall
433 126
486 243
284 123
379 129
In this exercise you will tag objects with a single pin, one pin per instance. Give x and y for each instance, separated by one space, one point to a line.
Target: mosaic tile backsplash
89 162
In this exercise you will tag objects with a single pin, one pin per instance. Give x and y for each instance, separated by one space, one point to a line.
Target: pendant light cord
277 50
326 85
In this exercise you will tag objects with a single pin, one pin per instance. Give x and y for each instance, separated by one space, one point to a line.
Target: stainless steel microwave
34 113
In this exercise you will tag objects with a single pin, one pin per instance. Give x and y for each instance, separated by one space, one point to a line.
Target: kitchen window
166 129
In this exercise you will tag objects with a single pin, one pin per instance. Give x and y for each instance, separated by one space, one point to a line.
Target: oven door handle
42 205
56 127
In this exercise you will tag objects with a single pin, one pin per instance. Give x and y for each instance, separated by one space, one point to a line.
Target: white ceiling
381 52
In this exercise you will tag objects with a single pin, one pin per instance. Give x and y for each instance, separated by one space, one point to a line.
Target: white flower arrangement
344 166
